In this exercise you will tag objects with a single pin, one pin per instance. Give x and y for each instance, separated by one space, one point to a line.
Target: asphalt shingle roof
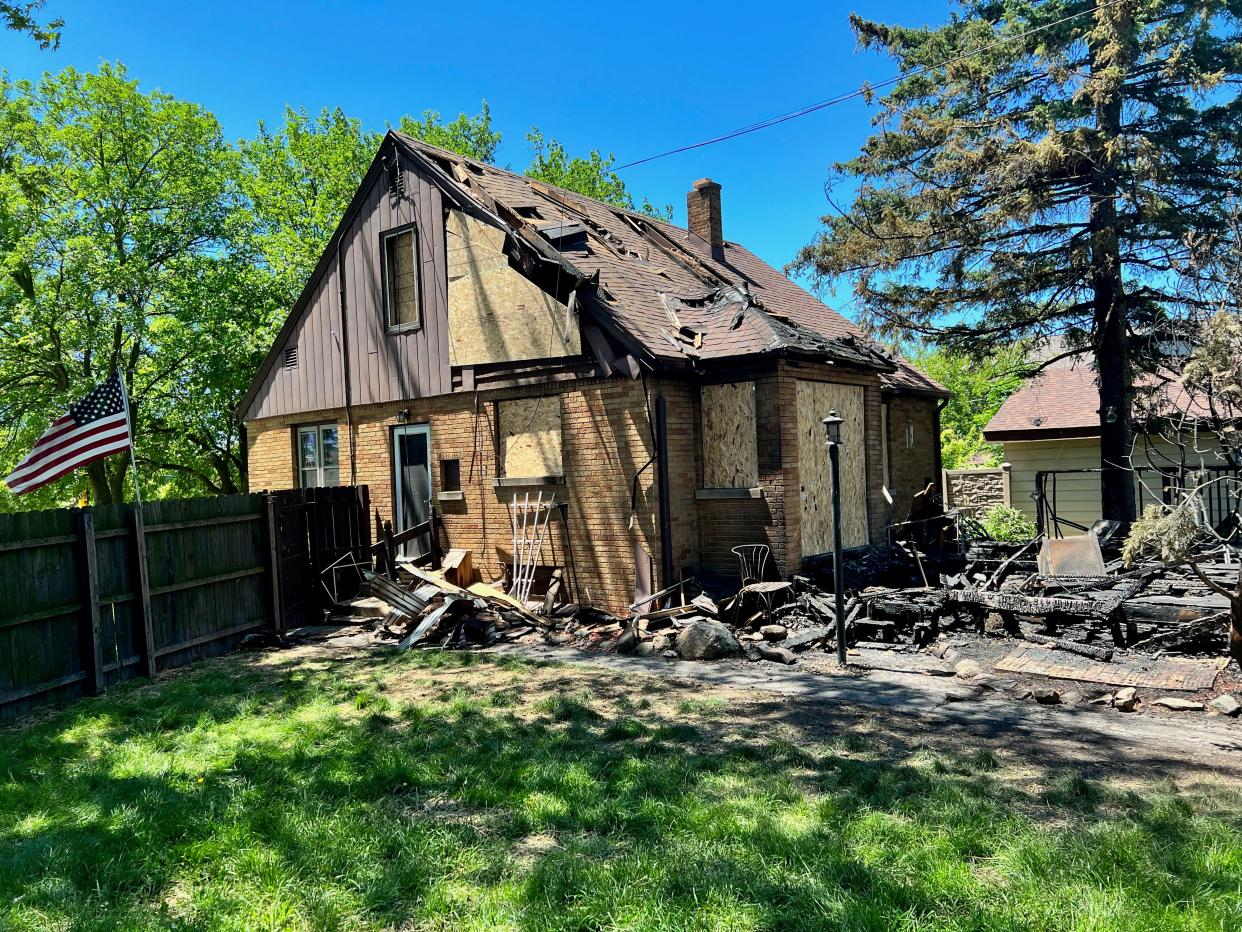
657 278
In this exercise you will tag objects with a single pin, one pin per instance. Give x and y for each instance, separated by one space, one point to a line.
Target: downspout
342 344
666 526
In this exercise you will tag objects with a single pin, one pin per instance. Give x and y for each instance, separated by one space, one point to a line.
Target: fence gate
320 538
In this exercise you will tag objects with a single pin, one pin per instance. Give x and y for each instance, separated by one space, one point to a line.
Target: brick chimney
703 214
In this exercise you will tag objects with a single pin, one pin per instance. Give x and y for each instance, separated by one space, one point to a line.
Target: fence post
144 591
1006 482
90 590
273 546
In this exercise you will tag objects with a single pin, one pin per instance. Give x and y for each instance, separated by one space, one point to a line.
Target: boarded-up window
401 278
530 437
730 448
814 401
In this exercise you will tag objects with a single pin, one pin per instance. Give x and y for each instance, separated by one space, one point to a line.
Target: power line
864 90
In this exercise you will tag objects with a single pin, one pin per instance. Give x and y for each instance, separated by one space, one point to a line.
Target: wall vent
291 357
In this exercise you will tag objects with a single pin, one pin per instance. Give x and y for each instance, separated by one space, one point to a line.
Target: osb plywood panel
1190 675
495 314
730 448
815 400
530 437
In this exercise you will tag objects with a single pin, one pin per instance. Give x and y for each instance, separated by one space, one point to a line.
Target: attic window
528 211
401 274
291 357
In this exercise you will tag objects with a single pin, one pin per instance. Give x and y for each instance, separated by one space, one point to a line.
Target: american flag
95 427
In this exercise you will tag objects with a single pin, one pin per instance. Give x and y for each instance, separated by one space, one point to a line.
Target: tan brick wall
606 441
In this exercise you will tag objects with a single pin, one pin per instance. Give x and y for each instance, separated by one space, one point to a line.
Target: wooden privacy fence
96 596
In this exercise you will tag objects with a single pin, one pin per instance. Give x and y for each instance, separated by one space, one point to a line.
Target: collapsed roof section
653 287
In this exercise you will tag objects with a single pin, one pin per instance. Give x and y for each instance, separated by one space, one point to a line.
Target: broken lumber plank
1028 604
807 637
1104 654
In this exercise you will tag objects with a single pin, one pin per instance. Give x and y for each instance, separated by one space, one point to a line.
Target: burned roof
661 284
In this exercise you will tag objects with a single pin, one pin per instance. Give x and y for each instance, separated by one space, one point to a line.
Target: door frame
397 490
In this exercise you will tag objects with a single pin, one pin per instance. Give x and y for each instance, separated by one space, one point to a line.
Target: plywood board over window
815 400
730 445
530 437
495 313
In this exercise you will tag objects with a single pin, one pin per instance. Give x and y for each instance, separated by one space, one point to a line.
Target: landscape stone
1225 704
777 654
706 640
1178 704
774 632
968 669
645 649
1126 699
1046 696
627 642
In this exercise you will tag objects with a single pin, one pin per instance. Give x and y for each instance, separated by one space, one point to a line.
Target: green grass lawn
425 791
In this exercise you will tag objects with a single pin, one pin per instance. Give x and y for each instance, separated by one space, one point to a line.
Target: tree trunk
1112 356
101 486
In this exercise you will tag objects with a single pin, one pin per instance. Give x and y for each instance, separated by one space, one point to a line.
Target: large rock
706 640
774 632
1225 704
1046 696
645 649
1125 700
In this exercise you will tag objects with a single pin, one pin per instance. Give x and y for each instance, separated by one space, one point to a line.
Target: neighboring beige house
1050 432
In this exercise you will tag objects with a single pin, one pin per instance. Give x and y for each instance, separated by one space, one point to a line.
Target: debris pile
425 609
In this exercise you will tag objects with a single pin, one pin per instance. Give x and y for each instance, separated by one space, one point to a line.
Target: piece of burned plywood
496 314
530 437
730 449
814 401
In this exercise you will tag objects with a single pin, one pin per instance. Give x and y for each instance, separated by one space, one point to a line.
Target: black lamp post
832 428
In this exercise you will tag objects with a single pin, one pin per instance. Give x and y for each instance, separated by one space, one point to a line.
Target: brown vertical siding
383 366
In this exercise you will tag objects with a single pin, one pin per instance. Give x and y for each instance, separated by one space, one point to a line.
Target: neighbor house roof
1062 402
662 284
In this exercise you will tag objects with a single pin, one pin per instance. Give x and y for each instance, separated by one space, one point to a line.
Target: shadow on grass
245 795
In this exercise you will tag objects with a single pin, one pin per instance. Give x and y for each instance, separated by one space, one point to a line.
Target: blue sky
631 79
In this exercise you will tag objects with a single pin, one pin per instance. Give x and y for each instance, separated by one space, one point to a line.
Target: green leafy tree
296 183
1036 171
113 204
980 386
591 176
467 135
23 17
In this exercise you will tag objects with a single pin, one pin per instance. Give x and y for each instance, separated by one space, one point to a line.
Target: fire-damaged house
471 338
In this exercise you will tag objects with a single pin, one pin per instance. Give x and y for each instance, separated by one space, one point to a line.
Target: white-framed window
402 306
319 461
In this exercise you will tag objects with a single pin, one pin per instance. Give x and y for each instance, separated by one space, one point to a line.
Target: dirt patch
1032 755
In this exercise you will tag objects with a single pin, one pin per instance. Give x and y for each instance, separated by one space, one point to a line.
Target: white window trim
317 431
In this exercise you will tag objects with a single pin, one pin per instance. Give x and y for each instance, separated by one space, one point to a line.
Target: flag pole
133 462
